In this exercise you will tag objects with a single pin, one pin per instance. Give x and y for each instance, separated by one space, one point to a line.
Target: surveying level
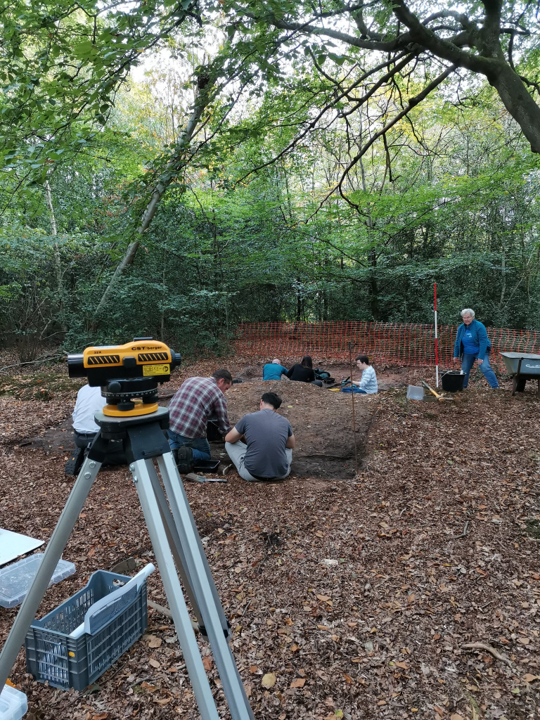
128 374
120 371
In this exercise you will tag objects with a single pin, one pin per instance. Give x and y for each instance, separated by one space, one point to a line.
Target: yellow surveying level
128 374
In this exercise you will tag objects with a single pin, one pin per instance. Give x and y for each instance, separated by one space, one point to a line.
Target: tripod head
127 374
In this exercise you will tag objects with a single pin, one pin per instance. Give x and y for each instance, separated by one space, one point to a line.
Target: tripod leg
168 487
52 555
176 548
197 569
141 471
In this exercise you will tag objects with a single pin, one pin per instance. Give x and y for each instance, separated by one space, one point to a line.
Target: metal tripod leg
174 543
167 480
53 553
196 567
142 471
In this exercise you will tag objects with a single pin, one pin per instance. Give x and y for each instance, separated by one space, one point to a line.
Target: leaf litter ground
351 598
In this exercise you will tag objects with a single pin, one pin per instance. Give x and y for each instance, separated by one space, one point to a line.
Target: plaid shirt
197 401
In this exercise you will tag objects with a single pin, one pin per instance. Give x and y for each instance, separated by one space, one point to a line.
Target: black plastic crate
74 662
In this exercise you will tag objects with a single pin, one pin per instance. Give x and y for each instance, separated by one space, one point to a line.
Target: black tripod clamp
142 436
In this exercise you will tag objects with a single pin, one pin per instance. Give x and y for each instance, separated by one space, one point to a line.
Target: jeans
354 390
485 367
200 446
237 452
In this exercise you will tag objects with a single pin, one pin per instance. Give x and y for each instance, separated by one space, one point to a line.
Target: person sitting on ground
198 400
267 452
274 370
303 372
89 402
367 385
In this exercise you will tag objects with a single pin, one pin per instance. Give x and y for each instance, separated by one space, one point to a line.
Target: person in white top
89 402
367 384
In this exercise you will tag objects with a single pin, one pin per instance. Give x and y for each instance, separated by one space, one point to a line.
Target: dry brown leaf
324 598
101 716
163 701
149 688
268 681
207 663
455 716
402 665
154 663
153 641
253 669
530 678
298 683
348 679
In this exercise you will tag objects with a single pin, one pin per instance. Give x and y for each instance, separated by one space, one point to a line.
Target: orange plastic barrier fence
392 343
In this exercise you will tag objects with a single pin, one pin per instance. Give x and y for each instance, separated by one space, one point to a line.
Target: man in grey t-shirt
267 452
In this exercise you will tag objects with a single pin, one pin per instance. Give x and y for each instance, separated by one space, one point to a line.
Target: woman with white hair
472 343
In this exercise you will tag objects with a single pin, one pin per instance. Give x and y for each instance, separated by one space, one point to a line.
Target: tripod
175 541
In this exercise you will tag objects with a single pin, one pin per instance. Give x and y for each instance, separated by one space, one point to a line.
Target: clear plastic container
13 703
415 393
15 579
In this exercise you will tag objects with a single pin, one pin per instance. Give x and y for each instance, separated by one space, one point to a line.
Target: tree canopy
287 160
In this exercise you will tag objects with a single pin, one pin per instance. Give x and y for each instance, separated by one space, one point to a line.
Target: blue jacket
479 334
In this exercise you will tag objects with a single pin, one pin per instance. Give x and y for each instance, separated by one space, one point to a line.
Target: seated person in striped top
367 385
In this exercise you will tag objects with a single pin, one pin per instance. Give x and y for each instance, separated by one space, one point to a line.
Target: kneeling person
267 452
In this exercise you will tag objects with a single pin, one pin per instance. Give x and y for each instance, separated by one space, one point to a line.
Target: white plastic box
13 704
15 579
415 393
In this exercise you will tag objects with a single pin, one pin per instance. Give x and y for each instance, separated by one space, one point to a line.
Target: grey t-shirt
266 436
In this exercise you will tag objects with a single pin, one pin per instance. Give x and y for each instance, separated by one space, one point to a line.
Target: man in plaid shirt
197 401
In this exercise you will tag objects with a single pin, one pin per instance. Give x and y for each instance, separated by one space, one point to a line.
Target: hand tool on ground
439 397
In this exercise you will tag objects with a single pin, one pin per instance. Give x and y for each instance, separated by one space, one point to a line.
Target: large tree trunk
518 102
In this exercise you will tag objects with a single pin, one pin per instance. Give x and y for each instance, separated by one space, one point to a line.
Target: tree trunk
518 102
173 168
57 258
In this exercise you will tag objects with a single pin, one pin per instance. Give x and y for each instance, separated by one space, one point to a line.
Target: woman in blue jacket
472 344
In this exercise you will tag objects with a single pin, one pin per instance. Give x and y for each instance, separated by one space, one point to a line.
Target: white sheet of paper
13 544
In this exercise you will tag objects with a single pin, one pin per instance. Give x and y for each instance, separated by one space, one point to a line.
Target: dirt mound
321 420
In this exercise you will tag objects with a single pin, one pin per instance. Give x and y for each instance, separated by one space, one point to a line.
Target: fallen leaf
298 683
163 701
530 678
207 663
324 598
455 716
148 687
154 663
153 641
253 669
101 716
402 665
348 679
268 680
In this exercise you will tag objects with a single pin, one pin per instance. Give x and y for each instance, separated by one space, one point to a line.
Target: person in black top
303 372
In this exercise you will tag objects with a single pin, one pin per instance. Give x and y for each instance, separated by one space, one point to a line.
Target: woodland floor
358 594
